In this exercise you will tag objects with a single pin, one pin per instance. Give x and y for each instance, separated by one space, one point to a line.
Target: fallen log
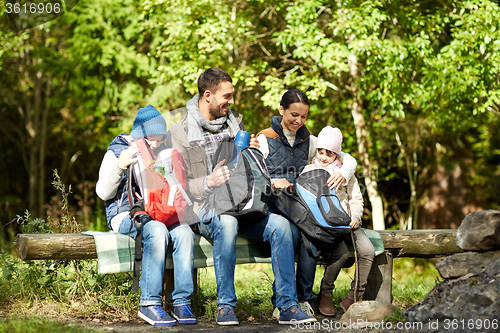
429 243
420 243
55 246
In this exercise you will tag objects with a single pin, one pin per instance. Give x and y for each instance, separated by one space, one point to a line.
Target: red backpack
162 182
161 195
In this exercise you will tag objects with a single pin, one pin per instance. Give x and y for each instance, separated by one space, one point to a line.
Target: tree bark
378 216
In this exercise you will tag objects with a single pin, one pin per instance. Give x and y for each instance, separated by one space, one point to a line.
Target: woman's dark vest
285 161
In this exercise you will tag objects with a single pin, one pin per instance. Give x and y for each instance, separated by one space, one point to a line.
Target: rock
472 297
480 231
460 264
367 311
493 267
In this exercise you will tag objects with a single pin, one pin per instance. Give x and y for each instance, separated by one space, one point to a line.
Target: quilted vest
285 161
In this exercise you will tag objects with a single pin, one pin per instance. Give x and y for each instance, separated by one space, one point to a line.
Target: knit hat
331 139
148 122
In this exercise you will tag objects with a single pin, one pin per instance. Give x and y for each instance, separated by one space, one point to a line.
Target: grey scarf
196 122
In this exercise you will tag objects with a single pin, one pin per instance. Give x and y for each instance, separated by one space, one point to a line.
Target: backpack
245 194
156 191
315 210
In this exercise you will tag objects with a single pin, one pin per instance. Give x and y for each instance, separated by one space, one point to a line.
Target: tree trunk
362 139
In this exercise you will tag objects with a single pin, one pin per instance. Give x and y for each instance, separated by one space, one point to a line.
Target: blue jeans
274 229
155 239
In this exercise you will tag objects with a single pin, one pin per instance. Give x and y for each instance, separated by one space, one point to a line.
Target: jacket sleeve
355 199
110 175
348 168
193 163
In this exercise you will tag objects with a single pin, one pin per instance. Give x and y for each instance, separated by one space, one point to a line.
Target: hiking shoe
155 315
184 315
307 308
226 316
346 303
294 315
325 306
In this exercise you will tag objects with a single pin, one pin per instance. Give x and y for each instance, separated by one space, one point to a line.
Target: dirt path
323 325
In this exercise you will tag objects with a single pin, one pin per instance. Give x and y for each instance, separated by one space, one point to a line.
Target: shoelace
306 307
159 311
185 310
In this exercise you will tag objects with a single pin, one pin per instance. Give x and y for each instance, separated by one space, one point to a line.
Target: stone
493 267
480 231
461 264
368 312
471 297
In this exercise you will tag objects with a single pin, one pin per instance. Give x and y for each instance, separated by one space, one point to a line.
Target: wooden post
168 286
379 285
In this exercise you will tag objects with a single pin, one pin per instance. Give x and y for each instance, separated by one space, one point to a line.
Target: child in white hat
328 148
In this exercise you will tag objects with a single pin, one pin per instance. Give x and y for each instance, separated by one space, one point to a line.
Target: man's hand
254 143
335 181
128 156
282 183
219 176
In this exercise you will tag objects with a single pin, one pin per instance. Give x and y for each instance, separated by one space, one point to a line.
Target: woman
288 146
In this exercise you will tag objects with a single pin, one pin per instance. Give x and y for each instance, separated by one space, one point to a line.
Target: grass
38 325
412 281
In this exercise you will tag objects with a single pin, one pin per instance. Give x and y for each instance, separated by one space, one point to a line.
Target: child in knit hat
328 148
149 125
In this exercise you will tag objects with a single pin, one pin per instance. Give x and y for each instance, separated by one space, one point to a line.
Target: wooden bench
429 243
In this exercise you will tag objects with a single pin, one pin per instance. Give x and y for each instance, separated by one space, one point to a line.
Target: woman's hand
254 143
335 181
282 183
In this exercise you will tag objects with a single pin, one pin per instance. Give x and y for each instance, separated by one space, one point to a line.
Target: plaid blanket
115 251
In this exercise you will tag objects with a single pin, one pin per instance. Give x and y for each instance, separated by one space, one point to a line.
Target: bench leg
379 285
168 286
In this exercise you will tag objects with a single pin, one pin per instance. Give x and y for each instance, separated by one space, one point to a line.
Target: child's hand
354 224
335 181
128 156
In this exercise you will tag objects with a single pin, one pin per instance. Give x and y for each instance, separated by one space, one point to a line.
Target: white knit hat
331 139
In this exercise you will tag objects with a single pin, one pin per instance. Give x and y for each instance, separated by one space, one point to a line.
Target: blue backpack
315 210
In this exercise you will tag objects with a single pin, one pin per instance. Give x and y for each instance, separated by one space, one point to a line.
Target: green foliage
73 285
38 325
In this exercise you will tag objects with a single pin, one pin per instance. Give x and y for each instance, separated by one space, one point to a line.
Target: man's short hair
211 78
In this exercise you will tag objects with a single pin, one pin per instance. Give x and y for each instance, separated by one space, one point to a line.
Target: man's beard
216 111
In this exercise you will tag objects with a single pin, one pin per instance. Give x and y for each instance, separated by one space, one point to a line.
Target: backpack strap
173 181
307 244
136 210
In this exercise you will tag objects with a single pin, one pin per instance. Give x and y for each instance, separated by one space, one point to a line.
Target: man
196 137
111 187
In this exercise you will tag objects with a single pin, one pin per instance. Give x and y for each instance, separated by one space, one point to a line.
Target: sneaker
184 315
155 315
325 306
294 315
346 303
226 316
307 308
